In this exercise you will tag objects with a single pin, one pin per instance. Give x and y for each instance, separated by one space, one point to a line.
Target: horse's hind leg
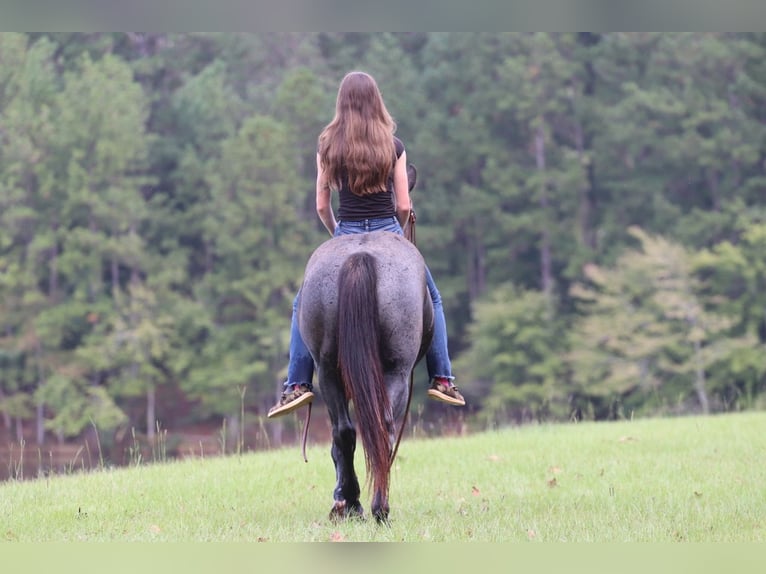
346 493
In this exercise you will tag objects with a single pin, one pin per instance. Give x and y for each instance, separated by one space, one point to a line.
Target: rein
409 233
306 433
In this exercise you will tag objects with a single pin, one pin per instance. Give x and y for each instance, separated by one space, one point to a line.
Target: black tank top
354 207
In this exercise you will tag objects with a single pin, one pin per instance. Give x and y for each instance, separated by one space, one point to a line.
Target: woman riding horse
359 156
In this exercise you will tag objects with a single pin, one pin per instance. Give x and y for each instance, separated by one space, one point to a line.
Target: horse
366 316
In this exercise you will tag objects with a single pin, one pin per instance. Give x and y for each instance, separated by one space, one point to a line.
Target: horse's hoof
381 517
341 510
355 510
338 511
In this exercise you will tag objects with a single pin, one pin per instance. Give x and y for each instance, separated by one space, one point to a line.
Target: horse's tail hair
360 365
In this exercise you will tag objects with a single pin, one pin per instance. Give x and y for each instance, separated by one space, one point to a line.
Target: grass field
660 480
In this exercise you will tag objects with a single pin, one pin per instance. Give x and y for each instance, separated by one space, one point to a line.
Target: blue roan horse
367 318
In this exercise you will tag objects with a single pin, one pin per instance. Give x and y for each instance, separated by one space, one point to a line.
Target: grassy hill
657 480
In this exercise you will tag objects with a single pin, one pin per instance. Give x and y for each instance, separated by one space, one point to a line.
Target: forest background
591 207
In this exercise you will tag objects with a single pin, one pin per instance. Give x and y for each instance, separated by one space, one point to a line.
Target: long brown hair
359 139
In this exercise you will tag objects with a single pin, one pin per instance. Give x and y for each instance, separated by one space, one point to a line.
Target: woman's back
353 207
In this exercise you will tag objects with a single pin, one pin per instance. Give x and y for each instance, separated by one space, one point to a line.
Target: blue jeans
300 368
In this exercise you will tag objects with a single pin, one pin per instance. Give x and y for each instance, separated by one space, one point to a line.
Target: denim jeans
300 368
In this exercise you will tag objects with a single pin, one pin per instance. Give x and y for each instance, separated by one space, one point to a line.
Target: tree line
591 207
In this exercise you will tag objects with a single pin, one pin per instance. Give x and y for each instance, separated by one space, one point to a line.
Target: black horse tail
360 364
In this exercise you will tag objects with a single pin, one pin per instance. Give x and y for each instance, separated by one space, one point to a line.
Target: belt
367 222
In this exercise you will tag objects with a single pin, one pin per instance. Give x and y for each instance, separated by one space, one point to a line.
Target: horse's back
404 306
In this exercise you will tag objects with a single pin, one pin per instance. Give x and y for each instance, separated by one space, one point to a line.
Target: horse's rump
404 305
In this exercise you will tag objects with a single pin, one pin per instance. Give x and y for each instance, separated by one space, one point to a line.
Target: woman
359 156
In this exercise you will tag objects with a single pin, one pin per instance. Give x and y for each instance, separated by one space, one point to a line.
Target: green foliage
646 339
514 360
733 276
679 146
157 209
77 405
255 192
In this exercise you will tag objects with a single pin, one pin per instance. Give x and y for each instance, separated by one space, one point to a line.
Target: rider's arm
402 191
324 205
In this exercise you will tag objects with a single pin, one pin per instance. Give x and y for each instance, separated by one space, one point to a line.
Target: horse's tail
360 364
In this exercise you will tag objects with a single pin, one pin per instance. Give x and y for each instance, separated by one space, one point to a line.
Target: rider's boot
293 397
443 390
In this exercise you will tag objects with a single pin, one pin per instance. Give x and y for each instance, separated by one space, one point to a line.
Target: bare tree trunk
699 378
480 267
475 266
545 242
151 415
40 427
712 181
7 422
115 275
53 280
19 430
583 142
40 409
53 285
134 275
232 431
585 210
93 283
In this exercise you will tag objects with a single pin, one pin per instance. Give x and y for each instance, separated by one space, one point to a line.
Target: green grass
660 480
